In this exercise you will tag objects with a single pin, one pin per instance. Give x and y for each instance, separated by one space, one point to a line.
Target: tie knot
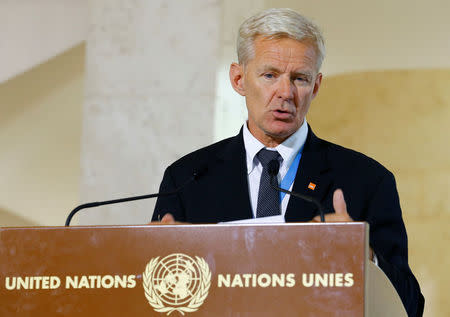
265 156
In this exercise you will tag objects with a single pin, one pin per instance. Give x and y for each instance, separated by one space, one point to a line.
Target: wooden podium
199 270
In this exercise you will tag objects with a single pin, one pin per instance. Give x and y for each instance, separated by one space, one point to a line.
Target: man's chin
280 135
282 131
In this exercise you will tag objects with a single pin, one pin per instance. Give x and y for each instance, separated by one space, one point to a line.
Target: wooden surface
266 252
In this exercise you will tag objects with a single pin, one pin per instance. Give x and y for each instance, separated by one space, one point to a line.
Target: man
280 53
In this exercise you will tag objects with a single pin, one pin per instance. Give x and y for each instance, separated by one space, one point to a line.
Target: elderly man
280 54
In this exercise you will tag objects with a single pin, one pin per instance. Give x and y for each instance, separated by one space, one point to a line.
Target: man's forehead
276 53
285 46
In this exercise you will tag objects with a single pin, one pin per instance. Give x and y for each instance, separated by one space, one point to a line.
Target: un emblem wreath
176 283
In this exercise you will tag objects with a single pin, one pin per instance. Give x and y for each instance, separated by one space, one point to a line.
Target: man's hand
168 219
341 214
340 208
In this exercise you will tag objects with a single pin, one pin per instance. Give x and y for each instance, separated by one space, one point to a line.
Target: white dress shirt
288 151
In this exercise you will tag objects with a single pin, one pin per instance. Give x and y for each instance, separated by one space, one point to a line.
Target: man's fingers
333 218
168 219
340 208
339 205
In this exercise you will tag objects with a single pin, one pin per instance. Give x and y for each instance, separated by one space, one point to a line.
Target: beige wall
40 128
365 35
402 119
32 32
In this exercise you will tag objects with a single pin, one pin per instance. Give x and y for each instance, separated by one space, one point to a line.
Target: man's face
278 83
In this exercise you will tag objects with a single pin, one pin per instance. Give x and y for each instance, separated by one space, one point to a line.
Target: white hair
275 24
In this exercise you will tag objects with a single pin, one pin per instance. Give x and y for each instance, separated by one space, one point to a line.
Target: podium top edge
290 224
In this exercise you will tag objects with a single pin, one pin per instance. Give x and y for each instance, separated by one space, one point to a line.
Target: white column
150 90
230 110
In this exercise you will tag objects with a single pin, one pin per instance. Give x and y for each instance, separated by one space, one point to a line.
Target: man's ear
237 78
317 83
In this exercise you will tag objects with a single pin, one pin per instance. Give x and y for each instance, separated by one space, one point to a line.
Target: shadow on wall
39 82
40 129
402 119
8 219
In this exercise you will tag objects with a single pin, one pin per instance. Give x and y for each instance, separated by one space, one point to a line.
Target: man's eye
269 76
301 79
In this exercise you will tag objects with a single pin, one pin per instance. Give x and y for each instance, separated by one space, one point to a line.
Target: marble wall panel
150 90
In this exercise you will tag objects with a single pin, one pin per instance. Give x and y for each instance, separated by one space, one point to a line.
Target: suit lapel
313 171
312 179
235 204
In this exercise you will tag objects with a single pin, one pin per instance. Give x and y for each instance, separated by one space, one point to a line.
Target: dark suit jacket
221 194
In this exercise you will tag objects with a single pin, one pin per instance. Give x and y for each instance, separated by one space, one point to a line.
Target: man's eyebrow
269 68
303 73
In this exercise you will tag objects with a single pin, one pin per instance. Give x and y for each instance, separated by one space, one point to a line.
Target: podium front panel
198 270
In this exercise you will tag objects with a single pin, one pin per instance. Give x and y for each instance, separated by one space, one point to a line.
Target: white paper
271 219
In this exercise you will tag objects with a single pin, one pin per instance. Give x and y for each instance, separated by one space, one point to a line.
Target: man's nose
285 88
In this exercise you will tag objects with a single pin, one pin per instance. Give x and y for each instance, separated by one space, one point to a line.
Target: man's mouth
281 114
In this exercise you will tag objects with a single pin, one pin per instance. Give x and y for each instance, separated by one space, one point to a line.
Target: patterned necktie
268 197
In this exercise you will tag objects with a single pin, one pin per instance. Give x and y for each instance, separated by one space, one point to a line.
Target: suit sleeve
170 204
389 241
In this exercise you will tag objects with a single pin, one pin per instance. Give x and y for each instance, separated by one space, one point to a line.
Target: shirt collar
288 149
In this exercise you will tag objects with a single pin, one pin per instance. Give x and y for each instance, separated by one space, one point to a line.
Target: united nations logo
176 283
